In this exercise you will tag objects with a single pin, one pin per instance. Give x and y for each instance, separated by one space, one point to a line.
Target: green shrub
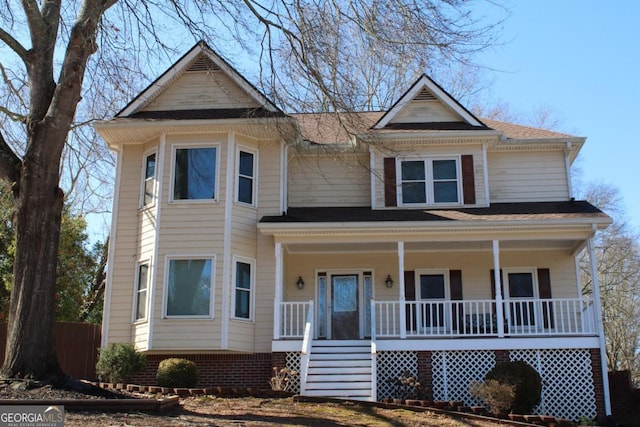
118 361
176 372
525 379
497 396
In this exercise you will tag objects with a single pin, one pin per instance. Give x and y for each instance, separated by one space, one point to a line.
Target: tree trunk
30 341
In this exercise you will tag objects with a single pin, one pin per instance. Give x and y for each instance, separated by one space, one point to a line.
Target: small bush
282 379
525 379
497 396
118 361
174 372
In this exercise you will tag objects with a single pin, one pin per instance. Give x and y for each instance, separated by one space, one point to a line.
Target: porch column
401 296
598 319
498 288
278 292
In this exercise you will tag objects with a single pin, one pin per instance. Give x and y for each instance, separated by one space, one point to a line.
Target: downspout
567 166
226 256
156 243
598 308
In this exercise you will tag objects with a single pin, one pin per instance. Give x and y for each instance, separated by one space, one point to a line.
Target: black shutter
410 295
468 180
390 198
455 288
544 291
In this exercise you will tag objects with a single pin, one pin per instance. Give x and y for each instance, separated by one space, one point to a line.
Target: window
243 288
149 181
433 292
521 288
141 291
246 177
429 181
194 173
189 287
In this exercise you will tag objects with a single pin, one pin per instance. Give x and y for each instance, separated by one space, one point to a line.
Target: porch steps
340 369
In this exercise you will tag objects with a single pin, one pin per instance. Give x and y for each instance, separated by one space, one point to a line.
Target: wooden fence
77 347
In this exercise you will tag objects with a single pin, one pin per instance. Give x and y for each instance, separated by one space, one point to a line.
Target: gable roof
199 58
332 128
426 91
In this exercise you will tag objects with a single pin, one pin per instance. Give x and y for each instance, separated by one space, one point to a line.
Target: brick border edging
455 414
141 404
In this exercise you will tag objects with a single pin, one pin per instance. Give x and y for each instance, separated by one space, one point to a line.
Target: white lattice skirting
392 364
567 380
292 361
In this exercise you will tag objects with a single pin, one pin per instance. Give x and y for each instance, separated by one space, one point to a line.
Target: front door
345 315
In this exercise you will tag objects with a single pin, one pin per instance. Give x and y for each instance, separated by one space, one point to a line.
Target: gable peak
425 95
203 62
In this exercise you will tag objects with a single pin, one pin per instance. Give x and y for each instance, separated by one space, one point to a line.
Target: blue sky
581 59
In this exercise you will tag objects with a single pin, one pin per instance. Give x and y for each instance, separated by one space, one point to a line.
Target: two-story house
350 248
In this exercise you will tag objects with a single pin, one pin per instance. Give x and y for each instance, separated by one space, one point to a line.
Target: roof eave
271 228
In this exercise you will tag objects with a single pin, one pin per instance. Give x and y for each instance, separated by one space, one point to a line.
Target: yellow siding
329 180
422 151
197 229
202 90
425 112
126 240
527 177
140 334
265 292
190 229
475 266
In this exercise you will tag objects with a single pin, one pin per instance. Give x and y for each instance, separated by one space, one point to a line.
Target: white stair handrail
306 349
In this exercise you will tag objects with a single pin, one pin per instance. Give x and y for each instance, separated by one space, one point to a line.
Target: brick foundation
598 384
425 373
227 370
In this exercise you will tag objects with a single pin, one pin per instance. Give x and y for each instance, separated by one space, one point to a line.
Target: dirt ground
253 412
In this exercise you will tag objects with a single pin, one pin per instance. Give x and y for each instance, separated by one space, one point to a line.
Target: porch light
300 282
388 281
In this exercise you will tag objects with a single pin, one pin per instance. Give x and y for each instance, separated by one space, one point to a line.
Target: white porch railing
465 318
477 318
293 319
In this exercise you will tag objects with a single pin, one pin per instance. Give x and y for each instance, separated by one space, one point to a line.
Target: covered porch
347 292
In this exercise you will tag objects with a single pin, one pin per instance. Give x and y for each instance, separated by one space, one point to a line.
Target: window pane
413 170
414 192
432 286
242 304
367 305
444 192
150 169
245 190
344 293
243 290
141 294
246 164
143 272
243 275
148 191
195 173
520 285
322 306
444 169
189 290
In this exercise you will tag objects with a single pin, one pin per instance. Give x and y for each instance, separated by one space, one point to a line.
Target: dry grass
252 412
